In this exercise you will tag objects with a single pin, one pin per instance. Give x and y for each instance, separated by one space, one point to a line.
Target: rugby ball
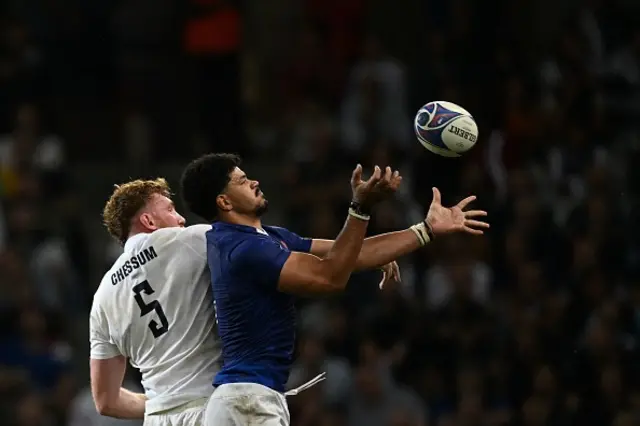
445 128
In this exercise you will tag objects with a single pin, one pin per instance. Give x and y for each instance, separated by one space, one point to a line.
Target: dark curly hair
204 179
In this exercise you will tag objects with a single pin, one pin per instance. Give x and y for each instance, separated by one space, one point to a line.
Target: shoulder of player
104 288
166 235
290 239
193 237
278 231
230 239
195 231
105 281
245 245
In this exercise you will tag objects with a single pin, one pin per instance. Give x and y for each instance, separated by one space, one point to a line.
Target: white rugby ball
445 128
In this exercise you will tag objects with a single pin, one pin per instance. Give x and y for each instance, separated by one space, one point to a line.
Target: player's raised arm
385 248
307 274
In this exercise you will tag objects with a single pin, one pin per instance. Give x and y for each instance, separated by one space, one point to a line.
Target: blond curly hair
126 201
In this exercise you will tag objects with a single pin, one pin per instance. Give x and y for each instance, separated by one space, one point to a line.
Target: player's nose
181 220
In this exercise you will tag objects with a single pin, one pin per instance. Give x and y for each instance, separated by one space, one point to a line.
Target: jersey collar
225 226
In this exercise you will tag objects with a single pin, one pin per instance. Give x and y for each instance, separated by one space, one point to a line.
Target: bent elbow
333 284
103 408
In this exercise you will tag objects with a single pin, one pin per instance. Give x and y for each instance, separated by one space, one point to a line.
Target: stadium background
535 324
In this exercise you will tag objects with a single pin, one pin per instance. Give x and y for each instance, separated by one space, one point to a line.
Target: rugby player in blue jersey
257 270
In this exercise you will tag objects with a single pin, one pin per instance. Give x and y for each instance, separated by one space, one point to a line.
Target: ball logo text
462 133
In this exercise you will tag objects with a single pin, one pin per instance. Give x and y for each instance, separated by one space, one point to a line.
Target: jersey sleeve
294 241
260 258
101 345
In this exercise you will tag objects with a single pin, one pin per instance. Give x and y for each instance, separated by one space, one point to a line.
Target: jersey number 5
154 305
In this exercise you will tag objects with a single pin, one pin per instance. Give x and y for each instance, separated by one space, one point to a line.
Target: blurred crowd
537 323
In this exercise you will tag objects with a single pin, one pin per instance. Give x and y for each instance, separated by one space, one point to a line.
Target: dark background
537 323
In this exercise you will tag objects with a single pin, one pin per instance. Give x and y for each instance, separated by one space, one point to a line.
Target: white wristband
360 216
421 232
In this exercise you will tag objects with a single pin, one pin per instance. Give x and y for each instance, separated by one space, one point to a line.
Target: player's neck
241 219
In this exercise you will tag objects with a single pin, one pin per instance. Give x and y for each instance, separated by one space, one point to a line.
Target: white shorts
241 404
189 414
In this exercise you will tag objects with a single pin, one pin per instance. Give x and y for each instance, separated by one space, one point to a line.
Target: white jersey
155 307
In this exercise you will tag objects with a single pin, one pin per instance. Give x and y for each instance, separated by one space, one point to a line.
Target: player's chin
262 208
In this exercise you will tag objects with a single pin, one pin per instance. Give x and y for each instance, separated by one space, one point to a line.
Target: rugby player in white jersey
154 308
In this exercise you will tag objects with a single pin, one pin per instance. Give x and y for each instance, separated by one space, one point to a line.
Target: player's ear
146 219
223 203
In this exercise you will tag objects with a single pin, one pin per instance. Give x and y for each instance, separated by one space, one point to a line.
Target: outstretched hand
444 220
380 185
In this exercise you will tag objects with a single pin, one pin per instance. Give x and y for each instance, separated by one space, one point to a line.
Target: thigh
244 410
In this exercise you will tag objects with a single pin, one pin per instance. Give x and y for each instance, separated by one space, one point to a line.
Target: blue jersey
256 322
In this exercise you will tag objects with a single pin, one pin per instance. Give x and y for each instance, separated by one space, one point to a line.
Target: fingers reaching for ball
443 220
381 184
475 213
390 181
470 225
473 226
464 203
